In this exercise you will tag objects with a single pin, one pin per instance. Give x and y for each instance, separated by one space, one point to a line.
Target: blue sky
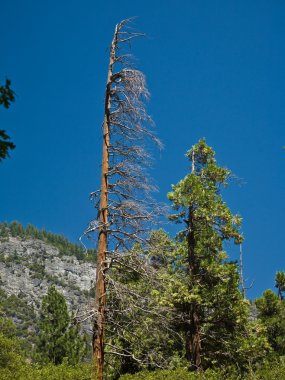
215 69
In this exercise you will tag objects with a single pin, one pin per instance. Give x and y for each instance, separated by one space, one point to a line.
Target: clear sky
215 69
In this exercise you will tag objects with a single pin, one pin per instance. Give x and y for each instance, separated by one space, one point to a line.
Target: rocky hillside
30 261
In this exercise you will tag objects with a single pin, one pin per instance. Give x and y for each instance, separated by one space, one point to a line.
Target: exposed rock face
29 266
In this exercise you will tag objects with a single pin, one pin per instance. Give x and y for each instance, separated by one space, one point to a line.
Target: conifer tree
271 311
7 96
58 337
280 283
204 287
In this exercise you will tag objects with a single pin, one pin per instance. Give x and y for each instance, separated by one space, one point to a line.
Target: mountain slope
32 260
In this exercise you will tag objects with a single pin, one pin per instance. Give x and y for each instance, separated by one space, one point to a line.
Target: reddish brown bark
100 295
193 341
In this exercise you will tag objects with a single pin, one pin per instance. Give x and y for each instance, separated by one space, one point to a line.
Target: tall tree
124 206
7 96
280 283
271 311
59 337
208 299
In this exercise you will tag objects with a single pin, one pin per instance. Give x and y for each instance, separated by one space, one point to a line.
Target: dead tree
243 289
123 200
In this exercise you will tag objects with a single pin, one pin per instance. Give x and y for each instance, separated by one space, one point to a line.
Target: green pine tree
203 285
58 338
7 96
280 283
271 311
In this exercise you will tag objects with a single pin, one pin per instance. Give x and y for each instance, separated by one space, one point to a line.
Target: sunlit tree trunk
123 203
100 295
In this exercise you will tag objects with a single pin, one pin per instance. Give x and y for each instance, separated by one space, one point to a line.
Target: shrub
181 374
271 370
49 372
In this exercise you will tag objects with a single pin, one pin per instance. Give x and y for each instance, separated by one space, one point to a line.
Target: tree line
238 338
65 247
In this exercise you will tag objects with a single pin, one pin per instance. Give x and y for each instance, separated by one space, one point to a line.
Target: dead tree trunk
122 200
100 295
243 290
